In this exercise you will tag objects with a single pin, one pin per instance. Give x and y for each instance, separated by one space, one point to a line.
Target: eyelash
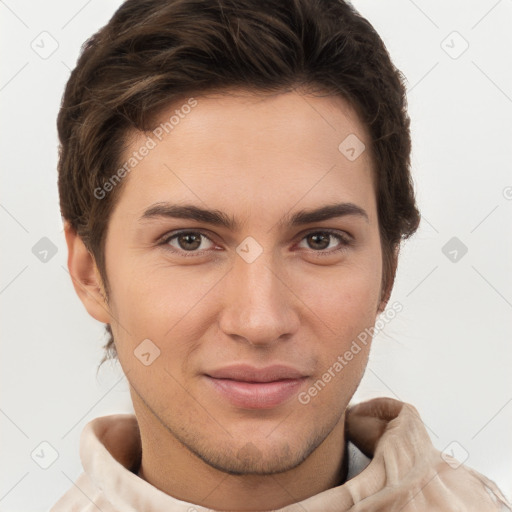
345 242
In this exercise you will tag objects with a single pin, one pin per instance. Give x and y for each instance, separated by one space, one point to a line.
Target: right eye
186 242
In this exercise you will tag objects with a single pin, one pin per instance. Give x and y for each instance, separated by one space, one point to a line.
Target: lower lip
256 395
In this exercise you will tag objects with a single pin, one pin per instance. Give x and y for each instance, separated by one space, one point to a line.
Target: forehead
263 120
252 150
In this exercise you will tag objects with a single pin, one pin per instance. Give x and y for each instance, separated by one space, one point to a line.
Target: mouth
248 387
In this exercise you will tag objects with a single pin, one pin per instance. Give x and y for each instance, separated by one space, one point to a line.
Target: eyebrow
219 218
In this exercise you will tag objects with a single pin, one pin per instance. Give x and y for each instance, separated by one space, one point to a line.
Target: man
234 176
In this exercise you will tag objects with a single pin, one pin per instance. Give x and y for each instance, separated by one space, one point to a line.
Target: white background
449 352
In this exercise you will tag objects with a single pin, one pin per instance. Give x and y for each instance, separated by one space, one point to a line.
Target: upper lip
247 373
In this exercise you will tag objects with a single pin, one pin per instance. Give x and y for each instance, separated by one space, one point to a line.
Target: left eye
321 240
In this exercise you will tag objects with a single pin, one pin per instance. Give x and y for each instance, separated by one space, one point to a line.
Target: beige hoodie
393 467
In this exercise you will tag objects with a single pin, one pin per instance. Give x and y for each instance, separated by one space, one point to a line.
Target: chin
259 456
251 460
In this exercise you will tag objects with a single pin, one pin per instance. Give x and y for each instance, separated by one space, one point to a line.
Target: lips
249 387
246 373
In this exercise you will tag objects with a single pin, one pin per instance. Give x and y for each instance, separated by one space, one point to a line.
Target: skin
257 158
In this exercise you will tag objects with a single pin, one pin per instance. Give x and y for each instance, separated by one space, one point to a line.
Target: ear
391 272
86 277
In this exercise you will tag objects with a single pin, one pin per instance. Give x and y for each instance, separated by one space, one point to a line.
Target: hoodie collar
392 465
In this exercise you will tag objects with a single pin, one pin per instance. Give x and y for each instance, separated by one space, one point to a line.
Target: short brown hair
153 52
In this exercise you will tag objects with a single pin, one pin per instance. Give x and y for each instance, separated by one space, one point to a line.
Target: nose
259 306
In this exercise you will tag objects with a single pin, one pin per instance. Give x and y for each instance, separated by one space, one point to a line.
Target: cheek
344 307
348 308
161 303
346 297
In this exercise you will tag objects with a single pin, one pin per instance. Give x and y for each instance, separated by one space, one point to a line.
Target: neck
172 468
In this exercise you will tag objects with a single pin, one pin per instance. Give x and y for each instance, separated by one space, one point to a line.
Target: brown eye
326 241
188 241
319 240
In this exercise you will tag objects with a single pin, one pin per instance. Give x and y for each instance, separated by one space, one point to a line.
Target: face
247 308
